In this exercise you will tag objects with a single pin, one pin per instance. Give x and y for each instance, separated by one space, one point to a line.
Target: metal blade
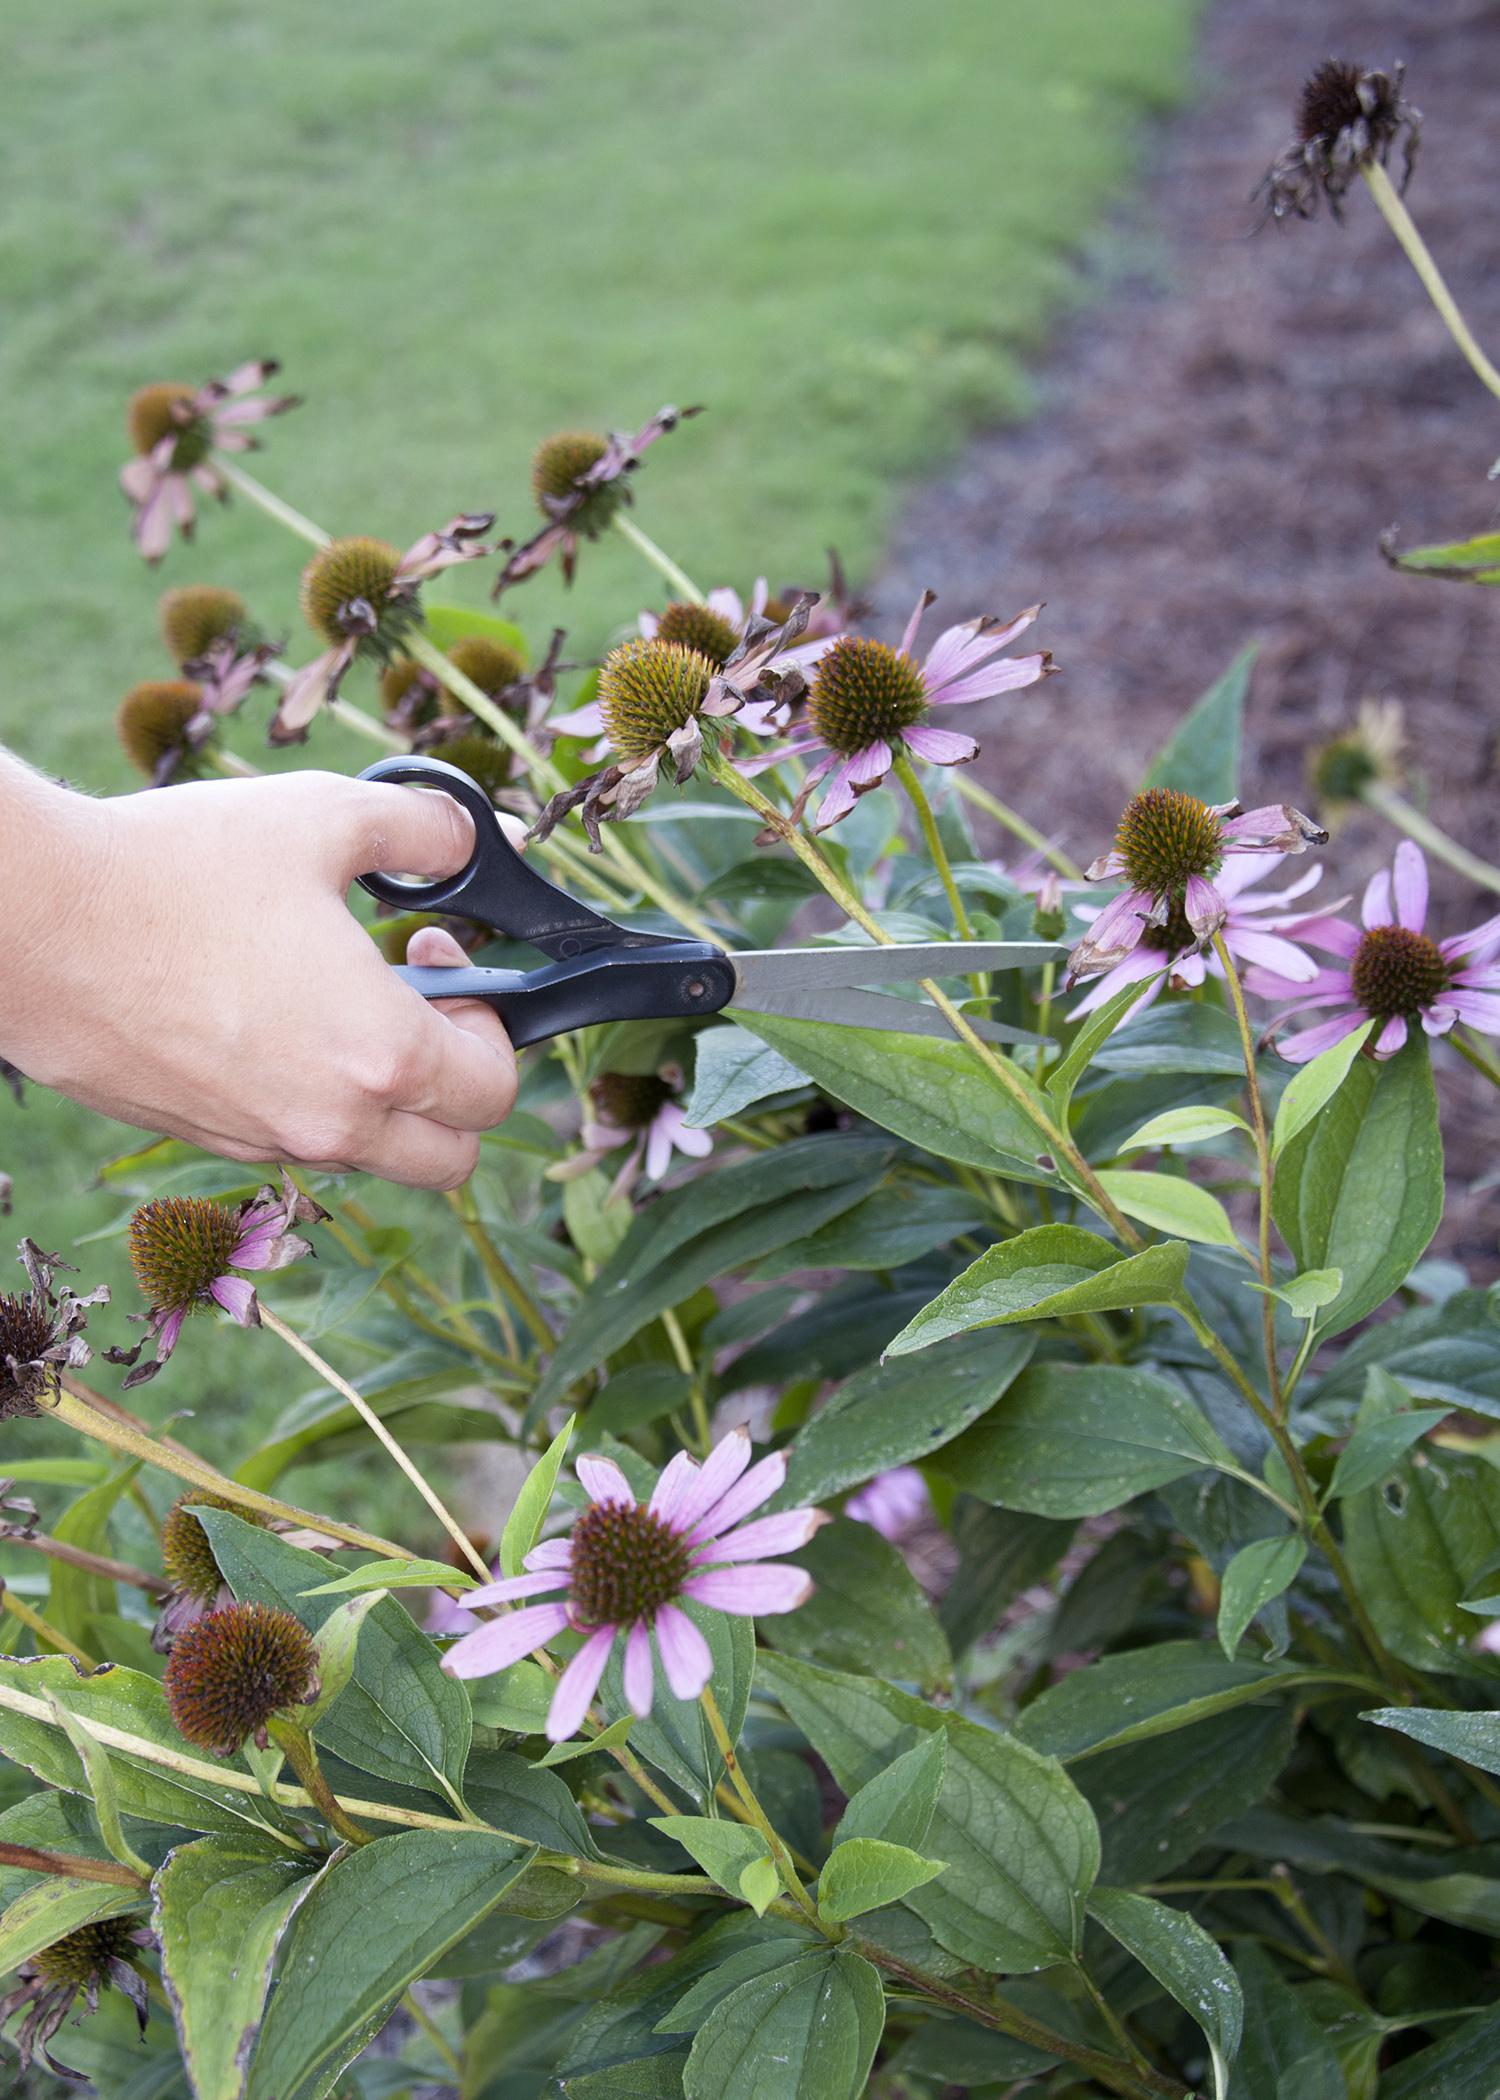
854 1009
767 975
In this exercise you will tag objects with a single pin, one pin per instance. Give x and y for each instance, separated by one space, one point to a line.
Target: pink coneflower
175 430
641 1110
360 596
1170 848
1255 931
578 478
1392 972
626 1566
867 699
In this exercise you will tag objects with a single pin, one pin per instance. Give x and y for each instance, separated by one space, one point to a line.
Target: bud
489 664
1165 838
186 1553
234 1670
180 1246
626 1563
711 634
629 1100
27 1332
1396 973
347 591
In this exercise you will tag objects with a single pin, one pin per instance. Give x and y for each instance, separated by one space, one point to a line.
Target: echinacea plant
177 431
841 1562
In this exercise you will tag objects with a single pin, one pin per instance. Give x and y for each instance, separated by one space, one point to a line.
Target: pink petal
909 633
583 721
1411 886
1141 964
514 1586
697 1144
1297 1049
670 1492
551 1553
501 1642
1376 908
1243 870
603 1479
578 1684
1006 675
168 1333
138 477
940 747
762 1589
1480 1009
659 1142
1335 935
765 1538
721 1469
237 1298
763 1480
1478 945
838 799
1205 908
799 748
1188 971
252 1250
1391 1038
1119 927
685 1655
1438 1020
637 1672
1486 978
1272 952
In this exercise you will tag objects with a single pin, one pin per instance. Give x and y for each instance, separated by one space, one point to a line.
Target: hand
184 960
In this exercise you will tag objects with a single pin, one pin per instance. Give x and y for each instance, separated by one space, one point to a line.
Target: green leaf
675 1736
377 1920
898 1804
1474 1738
1312 1086
1169 1204
1176 1950
222 1905
1361 1188
399 1716
337 1643
1149 1692
516 1699
893 1413
1070 1440
74 1594
806 2031
1094 1033
1159 1800
607 1739
1021 1842
1449 1351
897 1223
867 1611
705 1229
866 1873
597 1220
523 1527
53 1907
731 1962
727 1853
1306 1294
1258 1573
732 1070
933 1093
1041 1275
1175 1038
1459 2067
1459 1887
1378 1446
395 1575
56 1472
1184 1126
1475 560
1202 757
102 1789
447 624
1285 2051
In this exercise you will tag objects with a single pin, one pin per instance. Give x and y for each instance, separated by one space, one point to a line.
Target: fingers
403 831
464 1065
409 1149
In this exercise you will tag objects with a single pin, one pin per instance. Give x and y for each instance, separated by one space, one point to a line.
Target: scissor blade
855 1009
768 975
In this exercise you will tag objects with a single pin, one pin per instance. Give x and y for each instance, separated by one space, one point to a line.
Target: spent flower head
93 1958
187 1555
175 429
196 615
41 1332
579 480
233 1670
626 1568
164 726
1347 117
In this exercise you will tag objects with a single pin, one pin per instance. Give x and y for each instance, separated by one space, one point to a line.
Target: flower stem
91 1563
684 1357
661 561
423 2019
36 1859
1264 1168
373 1423
1113 2021
231 765
1377 795
297 1745
755 1813
272 505
1473 1055
1012 821
501 1276
916 795
1392 208
41 1629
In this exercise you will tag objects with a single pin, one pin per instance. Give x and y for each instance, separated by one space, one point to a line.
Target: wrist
53 853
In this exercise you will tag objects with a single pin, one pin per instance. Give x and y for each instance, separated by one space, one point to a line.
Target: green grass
842 224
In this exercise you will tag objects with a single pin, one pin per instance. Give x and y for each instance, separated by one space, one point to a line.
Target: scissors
599 971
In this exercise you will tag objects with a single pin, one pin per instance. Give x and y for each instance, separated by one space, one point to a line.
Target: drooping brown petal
621 454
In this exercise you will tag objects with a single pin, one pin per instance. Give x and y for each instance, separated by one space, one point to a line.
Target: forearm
52 853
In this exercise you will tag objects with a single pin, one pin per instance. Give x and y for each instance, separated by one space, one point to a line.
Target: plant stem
1264 1167
91 1563
756 1813
365 725
423 2019
1377 795
297 1745
36 1859
661 561
1113 2021
231 765
932 838
42 1629
272 505
1012 821
684 1356
462 1202
377 1428
1473 1055
1392 209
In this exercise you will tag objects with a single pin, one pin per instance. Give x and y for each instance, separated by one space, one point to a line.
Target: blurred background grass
842 224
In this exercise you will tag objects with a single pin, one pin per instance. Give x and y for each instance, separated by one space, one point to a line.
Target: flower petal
671 1490
940 747
1375 909
1391 1038
767 1536
762 1481
1297 1049
686 1656
1479 1009
1206 910
1006 675
1337 936
237 1298
603 1479
1249 944
637 1674
551 1553
764 1588
514 1586
720 1470
578 1684
1410 885
501 1642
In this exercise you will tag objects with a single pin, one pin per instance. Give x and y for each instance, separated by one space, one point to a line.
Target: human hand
185 961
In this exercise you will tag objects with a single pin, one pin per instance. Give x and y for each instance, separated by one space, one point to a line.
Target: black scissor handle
497 887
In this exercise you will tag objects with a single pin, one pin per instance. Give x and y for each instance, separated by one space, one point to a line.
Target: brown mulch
1222 435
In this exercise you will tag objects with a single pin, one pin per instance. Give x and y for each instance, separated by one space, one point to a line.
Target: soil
1223 432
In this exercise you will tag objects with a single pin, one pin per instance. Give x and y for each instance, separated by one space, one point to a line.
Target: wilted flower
231 1671
188 1558
175 430
183 1249
578 479
163 724
1255 931
41 1332
1346 117
196 615
465 740
1369 754
89 1960
360 595
641 1110
1170 847
867 699
626 1566
1392 972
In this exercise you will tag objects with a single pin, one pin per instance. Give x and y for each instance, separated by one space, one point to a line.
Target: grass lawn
842 224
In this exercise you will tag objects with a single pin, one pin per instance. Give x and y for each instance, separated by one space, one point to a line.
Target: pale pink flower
175 431
1392 972
892 1502
625 1568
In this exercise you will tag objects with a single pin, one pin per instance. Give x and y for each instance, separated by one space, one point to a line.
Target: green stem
684 1358
757 1815
1377 795
1113 2021
297 1745
423 2020
661 561
1264 1169
1012 821
916 795
272 505
496 1268
1470 1052
1392 209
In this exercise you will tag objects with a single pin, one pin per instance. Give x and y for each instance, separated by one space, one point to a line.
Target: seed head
83 1957
27 1329
629 1100
864 692
231 1671
346 574
1396 973
406 689
626 1564
483 758
151 721
647 691
1341 95
196 615
555 468
179 1246
700 627
1164 838
489 664
150 418
186 1553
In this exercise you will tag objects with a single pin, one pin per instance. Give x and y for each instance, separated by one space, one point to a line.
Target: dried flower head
186 1553
579 481
162 725
233 1670
196 615
174 430
483 757
41 1333
699 627
1347 117
92 1958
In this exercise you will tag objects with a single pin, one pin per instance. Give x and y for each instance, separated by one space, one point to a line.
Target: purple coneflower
868 699
1393 972
1170 848
41 1333
88 1961
626 1566
175 430
1255 931
641 1110
360 595
579 481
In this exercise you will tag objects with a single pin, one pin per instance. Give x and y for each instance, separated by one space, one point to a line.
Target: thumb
406 831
